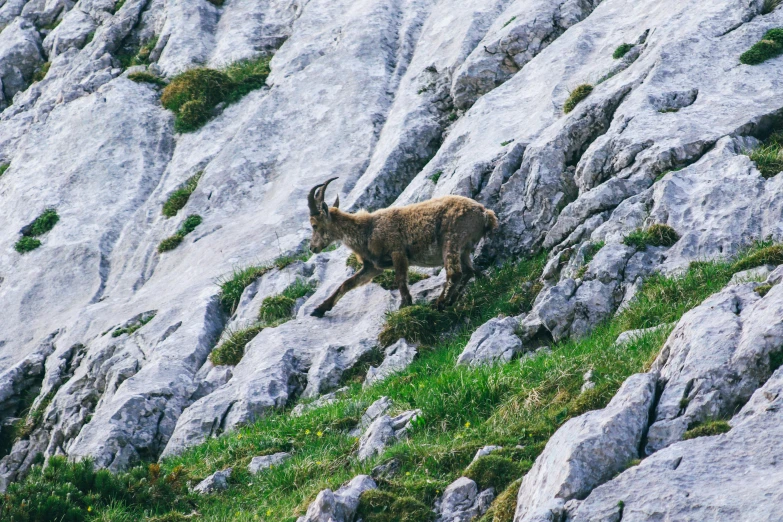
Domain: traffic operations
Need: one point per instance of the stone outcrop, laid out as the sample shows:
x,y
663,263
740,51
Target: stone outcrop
x,y
462,501
340,505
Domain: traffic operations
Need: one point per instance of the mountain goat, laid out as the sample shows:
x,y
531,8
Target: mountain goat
x,y
441,231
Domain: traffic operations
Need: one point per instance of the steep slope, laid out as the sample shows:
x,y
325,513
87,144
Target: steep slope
x,y
403,100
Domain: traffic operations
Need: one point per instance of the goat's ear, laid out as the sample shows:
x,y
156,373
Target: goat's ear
x,y
337,202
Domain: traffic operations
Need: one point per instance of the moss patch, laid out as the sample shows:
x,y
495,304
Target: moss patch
x,y
576,96
504,506
621,50
495,471
770,46
763,290
655,235
194,94
42,224
27,244
707,429
188,226
387,278
145,77
41,72
134,325
3,168
382,506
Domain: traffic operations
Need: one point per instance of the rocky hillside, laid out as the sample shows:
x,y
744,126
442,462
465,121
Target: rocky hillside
x,y
156,284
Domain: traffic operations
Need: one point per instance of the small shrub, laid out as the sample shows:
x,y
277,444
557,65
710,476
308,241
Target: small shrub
x,y
655,235
622,50
707,429
145,77
771,255
194,94
494,471
381,506
763,290
170,243
231,288
281,306
179,198
3,168
436,176
417,324
576,96
40,72
232,349
43,223
190,224
770,46
26,244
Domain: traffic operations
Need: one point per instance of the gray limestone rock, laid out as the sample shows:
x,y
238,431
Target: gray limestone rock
x,y
398,357
462,502
218,481
267,461
340,505
383,432
495,341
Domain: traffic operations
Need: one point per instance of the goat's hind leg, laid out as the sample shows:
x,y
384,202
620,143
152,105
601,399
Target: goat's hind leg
x,y
360,278
453,278
401,278
468,272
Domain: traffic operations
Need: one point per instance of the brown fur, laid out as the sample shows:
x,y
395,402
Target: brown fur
x,y
439,232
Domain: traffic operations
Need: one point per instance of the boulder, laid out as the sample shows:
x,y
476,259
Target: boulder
x,y
398,357
383,432
340,505
462,502
495,341
218,481
267,461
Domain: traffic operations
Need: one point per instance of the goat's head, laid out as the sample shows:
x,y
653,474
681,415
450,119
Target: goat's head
x,y
320,219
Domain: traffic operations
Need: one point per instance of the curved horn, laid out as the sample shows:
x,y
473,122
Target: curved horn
x,y
322,193
311,201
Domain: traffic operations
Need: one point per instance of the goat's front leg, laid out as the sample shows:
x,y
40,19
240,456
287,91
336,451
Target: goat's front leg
x,y
360,278
400,262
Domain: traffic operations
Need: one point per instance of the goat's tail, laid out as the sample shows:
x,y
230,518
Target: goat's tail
x,y
490,221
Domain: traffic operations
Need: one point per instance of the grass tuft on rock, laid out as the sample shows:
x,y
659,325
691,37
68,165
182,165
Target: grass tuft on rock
x,y
40,226
576,96
41,72
763,290
769,6
656,235
3,168
145,77
767,255
707,429
387,278
194,94
179,198
495,471
769,156
230,352
504,506
622,50
188,226
134,325
770,46
27,244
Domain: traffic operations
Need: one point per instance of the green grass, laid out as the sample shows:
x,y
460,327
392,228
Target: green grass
x,y
517,406
576,96
135,325
40,72
622,50
769,6
707,429
3,168
770,46
387,278
233,348
194,94
188,226
764,254
655,235
281,306
510,20
118,6
769,156
496,471
436,176
42,224
763,290
145,77
139,55
26,244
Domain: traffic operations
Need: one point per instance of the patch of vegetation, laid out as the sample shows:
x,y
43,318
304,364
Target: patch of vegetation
x,y
655,235
622,50
436,176
495,471
769,156
40,72
504,506
707,429
382,506
74,491
134,325
145,77
281,306
576,96
3,168
764,254
770,46
464,408
50,26
504,143
188,226
179,198
194,94
42,224
509,21
140,55
387,278
669,109
27,244
216,3
118,6
510,290
233,348
769,6
763,290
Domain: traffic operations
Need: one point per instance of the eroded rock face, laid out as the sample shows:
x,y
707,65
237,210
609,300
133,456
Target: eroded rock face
x,y
587,451
385,431
398,357
340,505
462,502
495,341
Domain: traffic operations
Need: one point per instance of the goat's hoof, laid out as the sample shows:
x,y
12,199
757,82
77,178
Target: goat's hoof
x,y
318,312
